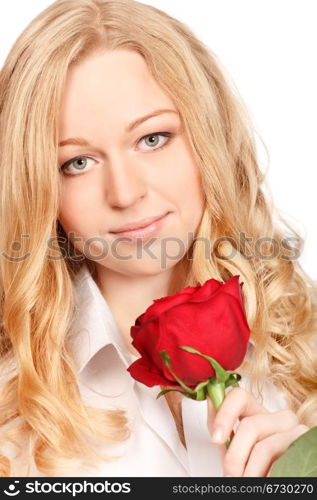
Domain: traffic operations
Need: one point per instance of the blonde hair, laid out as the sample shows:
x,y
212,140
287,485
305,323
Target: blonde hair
x,y
39,396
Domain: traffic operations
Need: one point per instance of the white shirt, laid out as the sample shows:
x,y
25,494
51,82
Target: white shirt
x,y
154,448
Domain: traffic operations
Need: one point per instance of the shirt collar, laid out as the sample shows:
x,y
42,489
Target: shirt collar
x,y
93,326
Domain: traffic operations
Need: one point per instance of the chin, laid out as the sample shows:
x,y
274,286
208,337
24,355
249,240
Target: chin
x,y
149,267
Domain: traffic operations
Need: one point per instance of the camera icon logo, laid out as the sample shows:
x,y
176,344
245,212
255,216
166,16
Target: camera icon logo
x,y
13,492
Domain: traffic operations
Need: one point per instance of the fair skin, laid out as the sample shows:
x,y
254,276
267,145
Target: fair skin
x,y
126,175
260,438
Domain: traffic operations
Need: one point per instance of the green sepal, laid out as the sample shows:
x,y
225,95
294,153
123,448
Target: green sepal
x,y
228,377
168,390
233,380
191,395
221,374
168,364
201,391
166,358
214,386
187,394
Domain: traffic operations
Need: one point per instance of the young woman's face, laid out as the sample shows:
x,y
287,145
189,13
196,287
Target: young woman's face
x,y
127,166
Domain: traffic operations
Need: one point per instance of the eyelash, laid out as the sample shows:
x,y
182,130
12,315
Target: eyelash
x,y
168,135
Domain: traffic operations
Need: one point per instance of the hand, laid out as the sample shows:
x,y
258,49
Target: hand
x,y
260,438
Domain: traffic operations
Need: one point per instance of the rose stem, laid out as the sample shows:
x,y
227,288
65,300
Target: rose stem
x,y
216,392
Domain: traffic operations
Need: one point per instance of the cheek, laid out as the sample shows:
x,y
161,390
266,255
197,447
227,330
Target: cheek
x,y
190,196
75,209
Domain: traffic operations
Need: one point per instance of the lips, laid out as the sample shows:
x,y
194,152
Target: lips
x,y
138,225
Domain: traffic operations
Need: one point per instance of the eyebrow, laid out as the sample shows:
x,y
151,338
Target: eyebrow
x,y
78,141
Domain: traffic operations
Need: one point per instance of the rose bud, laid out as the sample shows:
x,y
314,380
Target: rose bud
x,y
209,318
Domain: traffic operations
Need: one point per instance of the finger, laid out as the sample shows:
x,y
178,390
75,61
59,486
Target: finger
x,y
267,451
237,403
250,431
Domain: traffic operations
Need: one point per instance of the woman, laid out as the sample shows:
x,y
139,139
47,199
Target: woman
x,y
112,114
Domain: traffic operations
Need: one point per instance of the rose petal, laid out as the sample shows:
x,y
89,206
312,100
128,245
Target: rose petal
x,y
140,371
162,304
146,342
226,341
205,292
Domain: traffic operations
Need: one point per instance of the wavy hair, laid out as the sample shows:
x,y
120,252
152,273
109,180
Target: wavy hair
x,y
41,409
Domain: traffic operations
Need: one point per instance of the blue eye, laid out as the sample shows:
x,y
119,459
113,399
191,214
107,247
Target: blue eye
x,y
82,163
153,140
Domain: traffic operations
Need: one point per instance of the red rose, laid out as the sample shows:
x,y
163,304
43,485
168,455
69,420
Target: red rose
x,y
209,318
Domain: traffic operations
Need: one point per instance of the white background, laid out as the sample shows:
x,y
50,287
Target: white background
x,y
269,48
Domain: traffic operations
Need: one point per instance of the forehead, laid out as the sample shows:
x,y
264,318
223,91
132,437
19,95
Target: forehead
x,y
114,84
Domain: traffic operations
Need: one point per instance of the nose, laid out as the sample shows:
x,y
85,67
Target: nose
x,y
124,182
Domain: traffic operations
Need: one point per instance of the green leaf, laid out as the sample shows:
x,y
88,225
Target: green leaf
x,y
300,458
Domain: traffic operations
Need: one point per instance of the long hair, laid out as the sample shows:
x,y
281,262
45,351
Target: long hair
x,y
39,397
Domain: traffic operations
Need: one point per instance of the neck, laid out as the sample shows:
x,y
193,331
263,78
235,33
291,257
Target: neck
x,y
129,296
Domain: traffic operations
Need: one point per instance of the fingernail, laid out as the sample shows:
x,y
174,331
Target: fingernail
x,y
217,435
